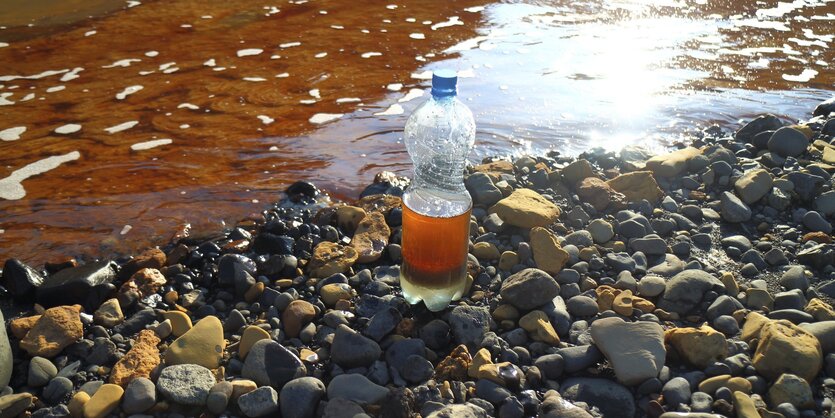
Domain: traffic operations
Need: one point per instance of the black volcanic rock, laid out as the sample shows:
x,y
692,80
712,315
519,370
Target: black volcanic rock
x,y
88,285
20,279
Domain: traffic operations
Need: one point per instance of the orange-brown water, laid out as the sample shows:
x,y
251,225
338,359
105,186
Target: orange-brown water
x,y
434,249
234,96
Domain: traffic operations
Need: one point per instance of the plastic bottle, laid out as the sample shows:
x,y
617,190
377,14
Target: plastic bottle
x,y
436,213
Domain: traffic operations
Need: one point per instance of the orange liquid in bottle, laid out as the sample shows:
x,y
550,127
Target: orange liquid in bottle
x,y
434,267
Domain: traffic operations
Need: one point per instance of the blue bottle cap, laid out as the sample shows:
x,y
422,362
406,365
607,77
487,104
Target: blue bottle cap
x,y
444,83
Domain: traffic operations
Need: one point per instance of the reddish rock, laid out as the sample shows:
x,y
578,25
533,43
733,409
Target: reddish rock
x,y
382,203
144,282
153,258
21,326
140,361
598,193
298,314
56,329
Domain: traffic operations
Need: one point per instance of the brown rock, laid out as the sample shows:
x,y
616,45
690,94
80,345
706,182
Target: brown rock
x,y
57,328
143,283
330,258
153,258
254,292
371,237
454,366
576,171
526,208
349,217
821,310
537,324
382,203
547,252
672,164
495,169
754,323
203,345
298,314
109,314
636,186
598,193
140,361
786,348
700,347
21,326
817,236
622,304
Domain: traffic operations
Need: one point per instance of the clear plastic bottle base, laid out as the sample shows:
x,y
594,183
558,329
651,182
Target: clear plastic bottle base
x,y
435,299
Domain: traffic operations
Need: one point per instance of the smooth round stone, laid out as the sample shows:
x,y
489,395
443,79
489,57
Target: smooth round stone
x,y
140,395
57,389
186,384
259,403
104,401
582,306
250,336
201,345
271,364
651,286
436,334
180,322
727,325
300,397
676,392
417,369
357,388
219,397
41,371
601,231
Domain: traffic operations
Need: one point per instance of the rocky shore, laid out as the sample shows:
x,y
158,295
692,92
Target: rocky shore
x,y
698,283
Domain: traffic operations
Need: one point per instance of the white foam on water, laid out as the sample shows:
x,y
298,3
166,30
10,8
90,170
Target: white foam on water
x,y
141,146
410,20
321,55
466,45
411,95
394,109
365,31
348,100
289,44
760,24
254,79
38,76
271,10
315,93
423,75
122,126
371,54
72,75
122,63
207,17
151,54
125,229
266,120
67,129
275,57
829,16
307,101
282,75
323,12
4,101
210,63
185,25
803,77
12,134
273,148
28,97
249,52
128,91
394,86
812,35
321,118
337,27
187,106
453,21
804,42
146,72
219,69
89,33
11,187
167,65
53,89
468,73
417,36
185,126
474,9
391,6
386,20
4,44
133,3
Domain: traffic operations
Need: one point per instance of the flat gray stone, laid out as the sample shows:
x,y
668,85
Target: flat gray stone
x,y
186,384
635,349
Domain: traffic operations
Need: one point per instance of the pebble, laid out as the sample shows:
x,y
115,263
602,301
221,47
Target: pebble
x,y
219,396
635,349
611,398
140,395
793,390
41,371
186,384
250,336
180,322
788,142
469,324
259,403
202,345
676,392
104,401
109,314
57,389
356,388
56,329
529,289
271,364
297,314
351,349
300,397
